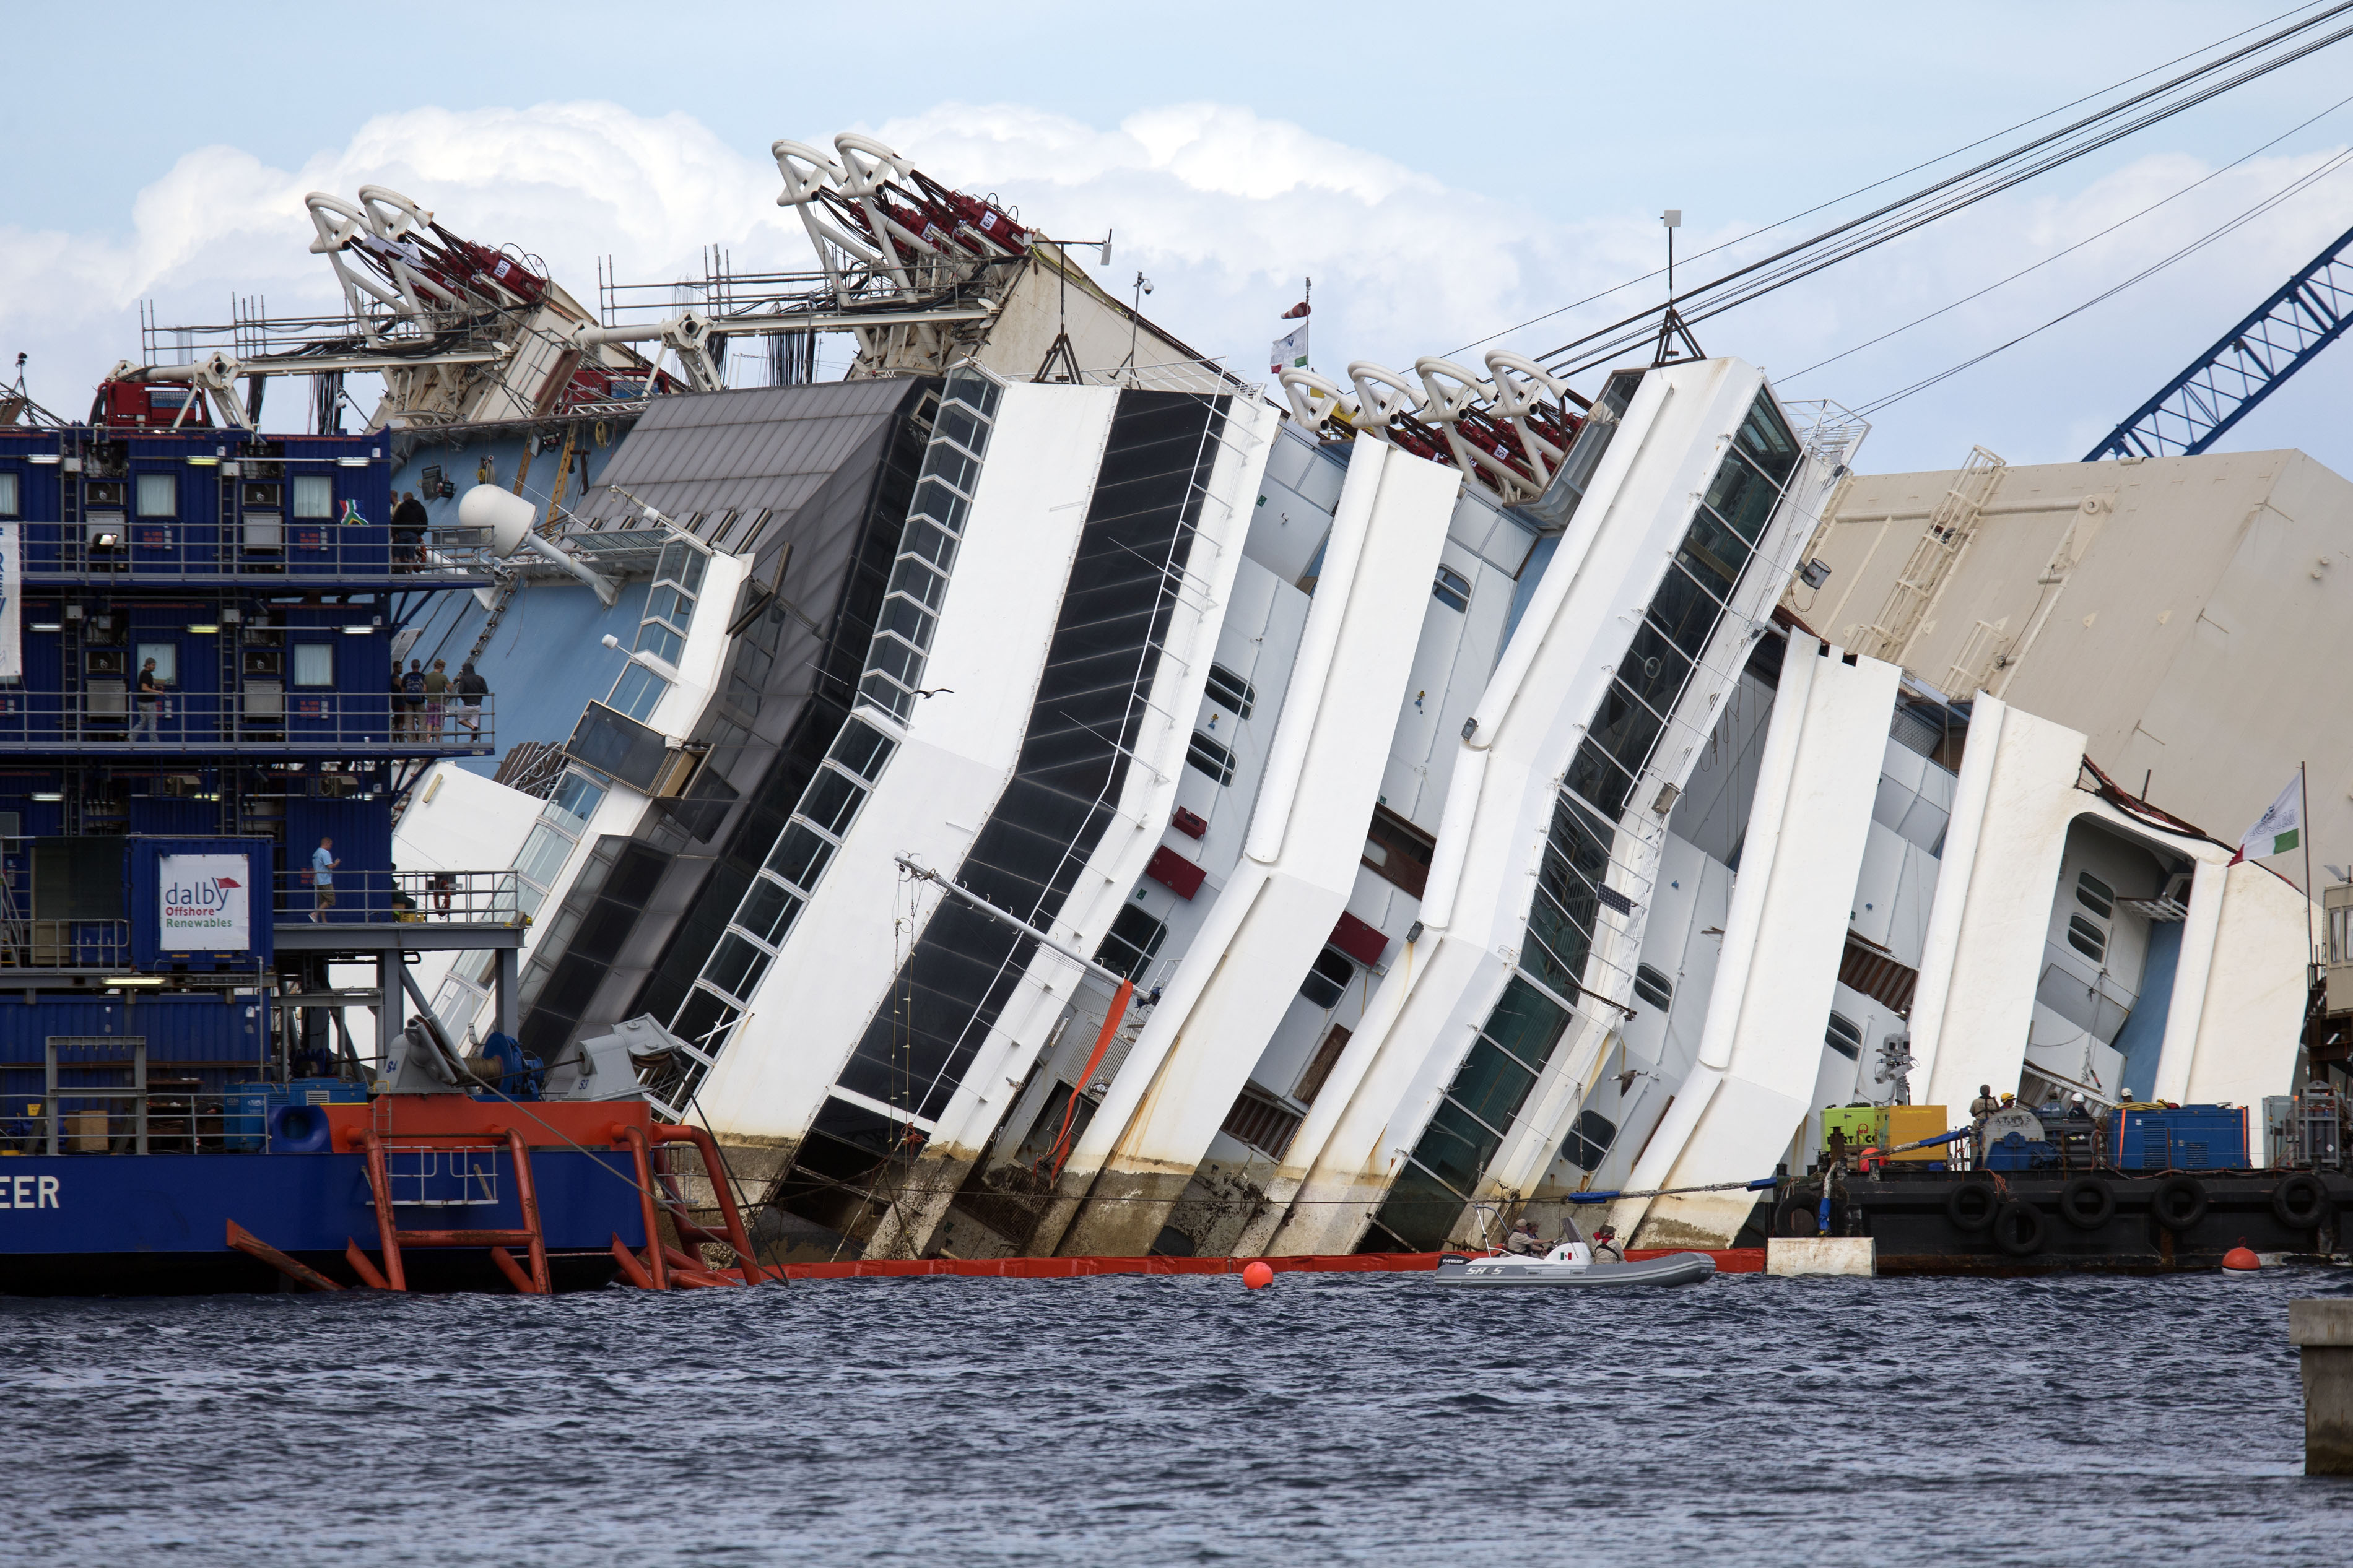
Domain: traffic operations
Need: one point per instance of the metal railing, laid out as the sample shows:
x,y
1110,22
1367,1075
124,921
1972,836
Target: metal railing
x,y
116,545
63,944
411,897
107,711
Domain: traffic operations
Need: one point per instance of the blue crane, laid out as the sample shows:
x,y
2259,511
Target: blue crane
x,y
2310,311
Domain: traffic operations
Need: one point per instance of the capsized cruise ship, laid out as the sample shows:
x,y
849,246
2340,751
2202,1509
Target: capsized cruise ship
x,y
1046,793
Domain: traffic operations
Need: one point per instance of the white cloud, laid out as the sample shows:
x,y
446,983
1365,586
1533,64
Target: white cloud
x,y
1226,210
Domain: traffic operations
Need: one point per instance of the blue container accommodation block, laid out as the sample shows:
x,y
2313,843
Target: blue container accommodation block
x,y
2180,1138
203,630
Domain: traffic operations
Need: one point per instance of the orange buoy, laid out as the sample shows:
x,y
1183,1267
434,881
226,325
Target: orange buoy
x,y
1258,1276
2240,1260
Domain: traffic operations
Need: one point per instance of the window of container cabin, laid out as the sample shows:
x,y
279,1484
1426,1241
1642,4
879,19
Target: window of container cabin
x,y
1397,851
1230,691
1328,978
2096,895
637,692
314,495
159,495
1589,1141
313,663
1129,946
11,494
1844,1037
1653,988
1211,758
166,655
2088,939
1451,589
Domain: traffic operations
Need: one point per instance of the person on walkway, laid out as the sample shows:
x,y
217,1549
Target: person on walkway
x,y
412,701
151,701
322,873
408,525
1604,1245
437,697
471,690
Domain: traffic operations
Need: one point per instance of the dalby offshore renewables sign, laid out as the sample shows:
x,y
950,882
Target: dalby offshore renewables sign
x,y
206,907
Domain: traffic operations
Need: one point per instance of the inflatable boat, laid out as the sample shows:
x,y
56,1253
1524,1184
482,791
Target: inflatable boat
x,y
1572,1265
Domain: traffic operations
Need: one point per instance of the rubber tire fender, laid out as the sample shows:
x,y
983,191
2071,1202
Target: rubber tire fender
x,y
2300,1202
2179,1202
2087,1202
1970,1207
2019,1228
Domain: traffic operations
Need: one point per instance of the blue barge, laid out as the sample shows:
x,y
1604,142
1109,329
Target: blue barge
x,y
203,750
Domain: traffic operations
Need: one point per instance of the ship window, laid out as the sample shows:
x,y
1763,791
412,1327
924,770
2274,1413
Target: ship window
x,y
544,855
1451,589
1589,1141
314,663
1230,691
1844,1038
1129,946
575,800
1653,986
1211,758
2088,939
613,742
159,495
638,690
1328,978
660,641
2096,895
314,495
9,498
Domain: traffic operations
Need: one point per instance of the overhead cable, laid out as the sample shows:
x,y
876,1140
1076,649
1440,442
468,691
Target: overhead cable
x,y
1885,179
1961,190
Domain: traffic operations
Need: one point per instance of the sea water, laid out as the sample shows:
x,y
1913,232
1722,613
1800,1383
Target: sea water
x,y
1349,1418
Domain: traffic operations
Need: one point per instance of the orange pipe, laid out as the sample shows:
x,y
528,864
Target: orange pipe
x,y
630,1266
362,1266
380,1185
635,1138
528,1195
723,1184
514,1271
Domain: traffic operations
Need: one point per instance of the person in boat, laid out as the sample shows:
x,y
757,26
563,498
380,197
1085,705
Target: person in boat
x,y
1523,1241
1605,1244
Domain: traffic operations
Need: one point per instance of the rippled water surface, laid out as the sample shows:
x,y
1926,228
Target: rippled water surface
x,y
1335,1418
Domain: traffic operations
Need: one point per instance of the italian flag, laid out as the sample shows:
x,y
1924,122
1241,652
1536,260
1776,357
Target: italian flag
x,y
2278,830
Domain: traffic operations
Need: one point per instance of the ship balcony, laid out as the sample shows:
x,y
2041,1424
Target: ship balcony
x,y
104,718
113,551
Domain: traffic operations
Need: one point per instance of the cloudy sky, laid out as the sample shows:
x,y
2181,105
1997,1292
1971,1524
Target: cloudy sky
x,y
1440,184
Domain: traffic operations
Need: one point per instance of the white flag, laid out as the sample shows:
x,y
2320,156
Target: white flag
x,y
2278,830
1290,351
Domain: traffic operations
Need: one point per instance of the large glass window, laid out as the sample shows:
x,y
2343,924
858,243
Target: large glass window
x,y
159,495
314,663
11,495
314,495
637,691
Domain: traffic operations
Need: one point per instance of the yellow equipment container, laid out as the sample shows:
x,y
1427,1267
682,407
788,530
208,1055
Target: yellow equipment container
x,y
1859,1122
1906,1123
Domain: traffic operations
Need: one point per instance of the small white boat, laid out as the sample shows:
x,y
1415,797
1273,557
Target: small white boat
x,y
1571,1263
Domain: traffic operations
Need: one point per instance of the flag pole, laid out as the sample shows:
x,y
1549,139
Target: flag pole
x,y
2304,832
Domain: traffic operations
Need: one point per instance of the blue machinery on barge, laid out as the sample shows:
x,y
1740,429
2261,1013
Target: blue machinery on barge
x,y
198,631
